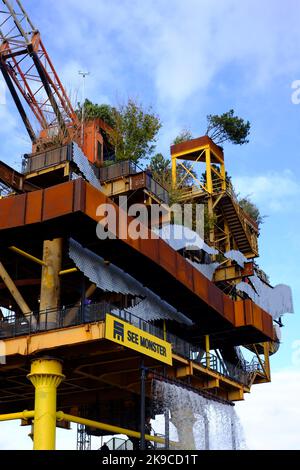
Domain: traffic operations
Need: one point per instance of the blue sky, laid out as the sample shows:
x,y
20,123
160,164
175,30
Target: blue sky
x,y
189,58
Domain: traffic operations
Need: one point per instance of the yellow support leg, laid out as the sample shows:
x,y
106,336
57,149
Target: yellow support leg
x,y
45,375
209,181
174,172
207,350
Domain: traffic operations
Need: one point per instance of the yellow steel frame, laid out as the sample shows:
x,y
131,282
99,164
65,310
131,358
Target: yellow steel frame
x,y
207,350
27,255
264,365
43,439
39,261
68,271
65,166
204,150
23,415
107,427
46,375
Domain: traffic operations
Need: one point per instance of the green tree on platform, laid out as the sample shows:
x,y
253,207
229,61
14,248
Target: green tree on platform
x,y
228,128
133,131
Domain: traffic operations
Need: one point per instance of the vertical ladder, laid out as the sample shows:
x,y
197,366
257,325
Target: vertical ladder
x,y
84,439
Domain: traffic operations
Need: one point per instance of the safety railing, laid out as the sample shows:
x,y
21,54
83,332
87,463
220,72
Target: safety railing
x,y
35,162
129,168
49,320
155,188
117,443
116,170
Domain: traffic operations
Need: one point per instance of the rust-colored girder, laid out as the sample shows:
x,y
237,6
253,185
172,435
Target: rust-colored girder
x,y
79,197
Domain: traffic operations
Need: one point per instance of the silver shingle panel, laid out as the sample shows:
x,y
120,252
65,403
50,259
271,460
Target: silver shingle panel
x,y
236,256
207,270
110,278
276,300
179,237
84,166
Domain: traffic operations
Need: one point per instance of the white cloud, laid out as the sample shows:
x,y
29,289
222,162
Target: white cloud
x,y
296,353
183,45
270,415
273,191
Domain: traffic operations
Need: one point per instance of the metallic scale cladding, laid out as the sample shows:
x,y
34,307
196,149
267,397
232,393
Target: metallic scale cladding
x,y
208,270
236,256
84,166
274,300
110,278
179,237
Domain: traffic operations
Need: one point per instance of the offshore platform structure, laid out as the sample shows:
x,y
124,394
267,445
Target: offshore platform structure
x,y
85,323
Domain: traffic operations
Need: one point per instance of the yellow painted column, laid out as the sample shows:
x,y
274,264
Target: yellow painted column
x,y
209,184
50,285
267,359
227,233
223,173
45,375
207,350
174,172
210,212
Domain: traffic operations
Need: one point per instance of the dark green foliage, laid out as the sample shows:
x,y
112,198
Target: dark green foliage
x,y
161,170
251,209
184,136
134,130
228,128
94,111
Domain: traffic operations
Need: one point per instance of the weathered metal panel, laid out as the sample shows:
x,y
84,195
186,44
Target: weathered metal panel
x,y
150,248
12,211
200,285
267,322
34,207
248,312
215,298
228,308
257,316
93,199
239,313
138,181
184,272
58,200
79,195
167,257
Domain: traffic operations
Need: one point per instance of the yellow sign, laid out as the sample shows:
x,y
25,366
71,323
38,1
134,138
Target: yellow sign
x,y
130,336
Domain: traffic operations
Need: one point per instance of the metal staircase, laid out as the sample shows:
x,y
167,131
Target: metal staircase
x,y
237,225
118,443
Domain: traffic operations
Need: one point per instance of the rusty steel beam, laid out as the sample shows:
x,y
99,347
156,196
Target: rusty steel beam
x,y
11,286
22,283
15,180
44,206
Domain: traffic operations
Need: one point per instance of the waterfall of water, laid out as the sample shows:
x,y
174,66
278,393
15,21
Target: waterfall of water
x,y
201,423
